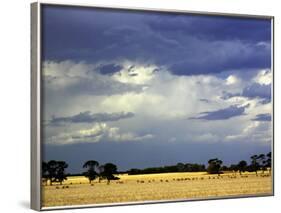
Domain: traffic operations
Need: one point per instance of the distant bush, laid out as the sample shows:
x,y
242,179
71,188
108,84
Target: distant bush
x,y
180,167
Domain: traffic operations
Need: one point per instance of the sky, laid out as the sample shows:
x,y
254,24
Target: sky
x,y
142,89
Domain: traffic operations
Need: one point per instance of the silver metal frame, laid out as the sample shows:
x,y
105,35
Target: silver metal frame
x,y
36,105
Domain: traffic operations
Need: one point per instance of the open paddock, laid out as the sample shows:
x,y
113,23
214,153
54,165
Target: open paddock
x,y
149,187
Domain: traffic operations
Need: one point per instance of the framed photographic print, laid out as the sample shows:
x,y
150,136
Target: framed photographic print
x,y
137,105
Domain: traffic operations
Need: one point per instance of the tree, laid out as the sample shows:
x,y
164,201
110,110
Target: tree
x,y
242,166
234,168
108,172
91,173
214,166
224,168
180,167
262,162
44,169
193,167
101,169
134,171
60,174
52,168
56,171
255,166
268,161
45,174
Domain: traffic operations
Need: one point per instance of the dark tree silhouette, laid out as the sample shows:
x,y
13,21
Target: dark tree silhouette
x,y
214,166
91,173
60,175
194,167
52,170
262,162
242,166
234,167
180,167
44,169
108,171
224,168
268,161
255,166
56,171
45,174
101,169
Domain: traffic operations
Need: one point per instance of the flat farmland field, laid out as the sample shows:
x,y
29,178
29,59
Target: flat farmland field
x,y
152,187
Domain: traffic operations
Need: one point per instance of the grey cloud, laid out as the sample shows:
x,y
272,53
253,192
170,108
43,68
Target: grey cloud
x,y
255,90
97,85
228,95
258,91
263,117
223,28
265,101
222,114
110,68
140,155
204,100
141,36
88,117
91,136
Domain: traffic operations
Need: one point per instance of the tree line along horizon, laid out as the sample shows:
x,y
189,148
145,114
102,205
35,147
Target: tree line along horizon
x,y
54,171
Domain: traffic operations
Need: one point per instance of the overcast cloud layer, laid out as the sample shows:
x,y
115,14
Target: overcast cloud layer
x,y
151,89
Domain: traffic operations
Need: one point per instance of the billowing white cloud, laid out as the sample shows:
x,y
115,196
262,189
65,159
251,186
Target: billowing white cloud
x,y
160,101
232,79
264,77
68,77
98,132
255,132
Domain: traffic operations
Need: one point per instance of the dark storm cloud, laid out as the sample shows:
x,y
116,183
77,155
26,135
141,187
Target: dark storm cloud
x,y
228,95
262,117
222,114
88,117
138,155
217,57
255,90
214,27
183,44
109,68
187,44
258,91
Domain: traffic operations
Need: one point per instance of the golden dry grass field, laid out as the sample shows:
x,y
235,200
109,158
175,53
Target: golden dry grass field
x,y
166,186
